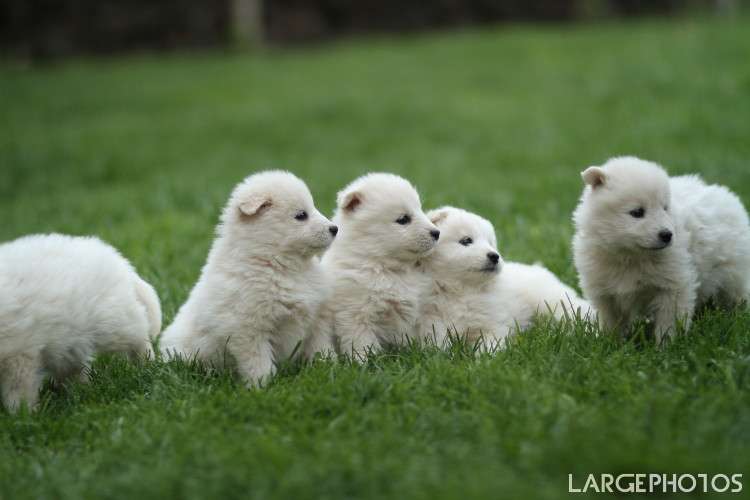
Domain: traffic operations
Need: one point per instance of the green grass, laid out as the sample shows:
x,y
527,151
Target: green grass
x,y
144,150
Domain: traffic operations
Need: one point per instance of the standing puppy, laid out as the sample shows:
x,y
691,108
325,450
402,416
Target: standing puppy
x,y
377,287
474,294
654,247
65,299
262,284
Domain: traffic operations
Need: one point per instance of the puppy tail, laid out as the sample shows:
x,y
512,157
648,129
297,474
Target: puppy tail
x,y
150,300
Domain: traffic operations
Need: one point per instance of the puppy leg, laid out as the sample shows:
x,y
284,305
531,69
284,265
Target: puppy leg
x,y
254,357
359,342
134,334
669,309
22,376
141,350
289,341
79,372
318,343
610,318
320,340
84,376
735,289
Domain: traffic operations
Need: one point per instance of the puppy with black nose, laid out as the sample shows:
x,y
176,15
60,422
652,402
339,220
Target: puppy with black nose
x,y
654,247
474,294
261,288
377,288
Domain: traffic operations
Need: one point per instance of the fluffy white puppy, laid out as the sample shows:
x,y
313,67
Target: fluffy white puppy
x,y
64,300
653,247
475,294
261,286
377,287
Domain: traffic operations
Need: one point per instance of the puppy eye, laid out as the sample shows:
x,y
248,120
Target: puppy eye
x,y
466,241
666,208
403,220
301,215
638,213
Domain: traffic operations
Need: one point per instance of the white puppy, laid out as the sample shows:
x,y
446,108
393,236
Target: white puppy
x,y
653,247
377,287
65,299
262,285
474,294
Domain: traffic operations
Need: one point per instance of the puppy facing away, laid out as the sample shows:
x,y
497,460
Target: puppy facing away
x,y
654,247
376,287
262,284
64,300
475,294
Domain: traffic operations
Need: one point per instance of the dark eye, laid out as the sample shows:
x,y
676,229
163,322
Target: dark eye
x,y
666,208
301,215
466,241
638,213
403,220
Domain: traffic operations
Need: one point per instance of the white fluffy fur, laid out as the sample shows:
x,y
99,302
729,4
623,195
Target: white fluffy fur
x,y
64,300
628,272
262,284
531,289
377,287
472,297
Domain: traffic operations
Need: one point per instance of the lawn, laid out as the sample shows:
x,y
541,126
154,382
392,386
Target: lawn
x,y
143,151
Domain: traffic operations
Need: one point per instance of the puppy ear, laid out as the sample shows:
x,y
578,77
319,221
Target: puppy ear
x,y
350,201
437,216
595,177
255,205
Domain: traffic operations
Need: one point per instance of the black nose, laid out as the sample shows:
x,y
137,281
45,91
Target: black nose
x,y
435,234
333,230
494,257
665,236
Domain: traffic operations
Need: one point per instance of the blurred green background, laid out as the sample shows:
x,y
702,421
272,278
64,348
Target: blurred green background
x,y
143,151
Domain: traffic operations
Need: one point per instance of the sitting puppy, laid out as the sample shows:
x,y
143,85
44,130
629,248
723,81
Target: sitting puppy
x,y
376,289
64,300
654,247
261,286
474,294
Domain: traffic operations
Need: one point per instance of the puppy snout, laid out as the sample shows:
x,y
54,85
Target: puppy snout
x,y
435,234
665,236
334,230
493,257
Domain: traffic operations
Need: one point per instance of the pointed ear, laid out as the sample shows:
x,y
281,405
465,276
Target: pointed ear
x,y
595,177
255,205
349,202
437,216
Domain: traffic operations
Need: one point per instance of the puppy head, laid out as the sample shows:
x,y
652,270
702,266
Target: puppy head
x,y
381,216
467,251
274,212
626,205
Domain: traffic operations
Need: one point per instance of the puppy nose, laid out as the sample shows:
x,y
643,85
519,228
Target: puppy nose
x,y
494,257
665,236
333,230
435,234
